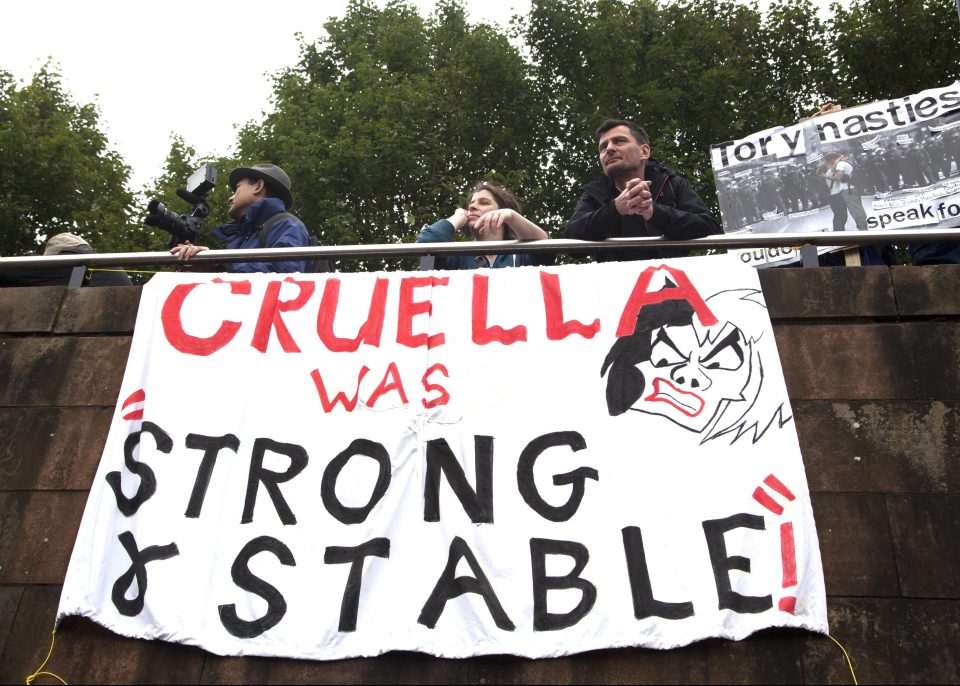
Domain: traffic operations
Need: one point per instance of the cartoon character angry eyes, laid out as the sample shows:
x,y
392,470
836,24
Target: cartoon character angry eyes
x,y
705,379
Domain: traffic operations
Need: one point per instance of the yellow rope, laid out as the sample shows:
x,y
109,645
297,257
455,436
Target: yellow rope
x,y
846,657
53,637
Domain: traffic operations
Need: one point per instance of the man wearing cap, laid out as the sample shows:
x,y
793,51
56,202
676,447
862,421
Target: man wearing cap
x,y
259,193
65,244
637,196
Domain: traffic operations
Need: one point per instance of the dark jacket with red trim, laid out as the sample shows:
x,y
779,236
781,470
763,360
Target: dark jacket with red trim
x,y
678,214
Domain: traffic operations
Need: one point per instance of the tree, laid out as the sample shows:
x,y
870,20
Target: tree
x,y
796,48
589,61
891,48
384,123
57,172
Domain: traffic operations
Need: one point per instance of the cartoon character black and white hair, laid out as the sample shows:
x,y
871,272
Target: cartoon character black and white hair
x,y
707,379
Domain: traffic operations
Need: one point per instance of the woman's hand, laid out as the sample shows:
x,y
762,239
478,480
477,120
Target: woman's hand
x,y
458,219
490,226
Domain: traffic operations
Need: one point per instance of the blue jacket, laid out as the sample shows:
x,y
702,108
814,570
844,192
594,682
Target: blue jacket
x,y
286,233
442,232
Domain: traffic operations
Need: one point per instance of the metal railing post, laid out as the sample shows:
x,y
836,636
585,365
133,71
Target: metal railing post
x,y
76,276
808,256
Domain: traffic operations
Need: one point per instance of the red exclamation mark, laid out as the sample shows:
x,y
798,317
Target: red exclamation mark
x,y
788,556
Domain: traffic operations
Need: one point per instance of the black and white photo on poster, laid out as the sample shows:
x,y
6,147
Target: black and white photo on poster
x,y
900,164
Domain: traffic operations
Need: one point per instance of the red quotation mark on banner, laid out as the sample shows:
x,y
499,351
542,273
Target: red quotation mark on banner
x,y
788,554
135,402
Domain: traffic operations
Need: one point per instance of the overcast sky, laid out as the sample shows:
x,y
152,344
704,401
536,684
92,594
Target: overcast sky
x,y
156,69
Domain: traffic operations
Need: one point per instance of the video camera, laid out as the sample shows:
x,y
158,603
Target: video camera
x,y
185,227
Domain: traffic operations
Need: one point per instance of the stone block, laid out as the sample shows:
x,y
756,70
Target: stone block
x,y
266,670
880,447
855,544
62,371
766,657
926,537
928,290
29,310
623,666
109,309
827,293
51,448
9,601
919,360
685,665
772,656
85,653
37,533
889,640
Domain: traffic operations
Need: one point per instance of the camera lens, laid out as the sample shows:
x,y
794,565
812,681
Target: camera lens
x,y
162,218
179,228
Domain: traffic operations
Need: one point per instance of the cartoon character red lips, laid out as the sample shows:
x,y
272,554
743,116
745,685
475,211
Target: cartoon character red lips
x,y
688,403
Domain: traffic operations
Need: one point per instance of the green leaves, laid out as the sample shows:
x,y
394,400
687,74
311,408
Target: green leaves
x,y
386,122
57,172
891,48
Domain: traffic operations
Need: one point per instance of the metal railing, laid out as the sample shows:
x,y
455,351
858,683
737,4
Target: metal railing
x,y
807,242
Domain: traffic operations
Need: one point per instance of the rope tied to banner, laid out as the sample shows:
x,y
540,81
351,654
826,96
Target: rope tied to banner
x,y
845,657
40,672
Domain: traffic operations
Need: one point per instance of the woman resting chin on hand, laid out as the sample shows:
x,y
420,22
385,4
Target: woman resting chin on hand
x,y
492,214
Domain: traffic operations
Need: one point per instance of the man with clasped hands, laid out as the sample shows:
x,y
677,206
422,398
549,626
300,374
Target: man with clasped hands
x,y
637,196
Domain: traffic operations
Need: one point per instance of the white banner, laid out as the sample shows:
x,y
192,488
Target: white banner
x,y
526,461
901,159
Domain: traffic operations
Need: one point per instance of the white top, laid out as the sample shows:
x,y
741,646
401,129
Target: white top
x,y
836,186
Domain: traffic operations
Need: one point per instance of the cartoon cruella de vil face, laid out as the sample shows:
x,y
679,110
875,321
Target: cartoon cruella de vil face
x,y
707,379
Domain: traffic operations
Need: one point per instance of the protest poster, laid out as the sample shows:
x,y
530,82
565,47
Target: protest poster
x,y
527,461
901,164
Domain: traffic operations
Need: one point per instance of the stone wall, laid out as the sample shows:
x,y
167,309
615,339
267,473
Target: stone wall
x,y
872,364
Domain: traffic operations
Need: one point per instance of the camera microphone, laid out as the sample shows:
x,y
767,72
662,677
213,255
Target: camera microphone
x,y
191,198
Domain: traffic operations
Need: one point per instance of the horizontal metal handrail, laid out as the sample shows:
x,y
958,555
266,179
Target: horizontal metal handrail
x,y
559,245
